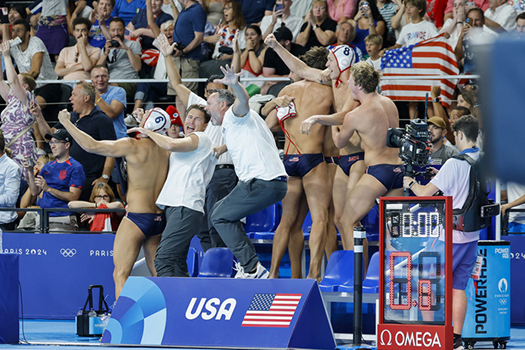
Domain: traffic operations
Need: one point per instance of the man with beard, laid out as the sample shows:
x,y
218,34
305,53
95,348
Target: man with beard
x,y
122,56
440,151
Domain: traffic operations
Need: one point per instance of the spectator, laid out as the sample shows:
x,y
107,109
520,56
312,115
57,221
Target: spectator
x,y
102,197
123,60
367,21
148,93
10,174
188,31
16,119
273,65
341,10
214,10
454,25
94,123
176,129
387,9
223,39
75,62
374,43
31,57
139,27
52,26
520,23
515,200
500,16
345,34
318,28
60,181
250,62
271,23
254,11
109,99
481,4
78,9
439,152
472,33
127,9
16,12
100,18
400,19
457,112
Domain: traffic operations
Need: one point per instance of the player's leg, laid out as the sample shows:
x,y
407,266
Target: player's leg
x,y
150,248
296,241
291,202
317,189
331,233
338,198
126,247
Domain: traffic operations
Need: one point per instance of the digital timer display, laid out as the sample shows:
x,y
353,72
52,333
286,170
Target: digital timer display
x,y
414,261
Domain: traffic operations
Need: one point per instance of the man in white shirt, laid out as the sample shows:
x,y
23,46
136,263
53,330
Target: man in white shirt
x,y
453,179
10,175
261,173
500,16
191,167
281,16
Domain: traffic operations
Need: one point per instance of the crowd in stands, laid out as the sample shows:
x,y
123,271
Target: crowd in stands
x,y
76,41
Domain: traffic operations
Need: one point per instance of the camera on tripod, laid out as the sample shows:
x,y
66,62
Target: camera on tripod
x,y
413,143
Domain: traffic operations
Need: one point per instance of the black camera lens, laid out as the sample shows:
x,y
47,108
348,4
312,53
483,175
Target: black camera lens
x,y
114,43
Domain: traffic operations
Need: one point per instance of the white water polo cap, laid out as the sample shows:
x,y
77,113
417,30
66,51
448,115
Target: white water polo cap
x,y
344,57
157,120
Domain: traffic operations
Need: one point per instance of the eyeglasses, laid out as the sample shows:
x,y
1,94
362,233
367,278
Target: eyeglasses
x,y
102,197
56,142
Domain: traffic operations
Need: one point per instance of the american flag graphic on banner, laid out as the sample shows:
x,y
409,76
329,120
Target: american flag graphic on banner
x,y
433,56
271,310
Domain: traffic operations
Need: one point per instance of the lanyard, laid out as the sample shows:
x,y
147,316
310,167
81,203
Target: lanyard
x,y
470,150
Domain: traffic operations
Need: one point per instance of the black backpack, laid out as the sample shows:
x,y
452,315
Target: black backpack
x,y
470,217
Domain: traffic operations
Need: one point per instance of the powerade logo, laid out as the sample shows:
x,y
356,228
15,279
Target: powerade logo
x,y
505,252
404,339
481,296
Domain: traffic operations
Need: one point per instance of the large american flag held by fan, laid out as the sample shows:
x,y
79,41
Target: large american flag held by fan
x,y
431,57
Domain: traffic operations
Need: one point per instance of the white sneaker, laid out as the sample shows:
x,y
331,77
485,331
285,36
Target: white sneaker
x,y
260,272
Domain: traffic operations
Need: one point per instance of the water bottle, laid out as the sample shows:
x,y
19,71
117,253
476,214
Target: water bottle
x,y
92,313
80,312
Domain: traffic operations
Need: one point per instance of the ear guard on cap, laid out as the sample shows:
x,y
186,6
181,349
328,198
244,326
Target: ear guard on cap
x,y
157,120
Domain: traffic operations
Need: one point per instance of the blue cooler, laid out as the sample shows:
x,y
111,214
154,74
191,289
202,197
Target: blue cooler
x,y
488,311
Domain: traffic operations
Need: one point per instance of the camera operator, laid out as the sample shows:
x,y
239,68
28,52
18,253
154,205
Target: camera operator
x,y
122,56
453,180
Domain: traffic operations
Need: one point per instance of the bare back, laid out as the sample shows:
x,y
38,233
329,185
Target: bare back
x,y
371,121
310,99
343,101
147,166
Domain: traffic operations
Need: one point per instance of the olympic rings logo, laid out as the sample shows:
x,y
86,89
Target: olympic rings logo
x,y
68,253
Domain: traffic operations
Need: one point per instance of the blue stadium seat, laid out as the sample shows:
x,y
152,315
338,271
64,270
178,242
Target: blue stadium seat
x,y
348,286
262,225
371,282
217,262
339,271
371,224
193,262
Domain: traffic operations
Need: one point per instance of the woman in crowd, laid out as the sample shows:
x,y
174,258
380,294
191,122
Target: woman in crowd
x,y
102,197
17,120
139,27
214,9
367,21
400,19
223,39
318,28
341,10
251,59
52,25
16,12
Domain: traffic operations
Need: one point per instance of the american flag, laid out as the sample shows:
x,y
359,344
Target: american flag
x,y
271,310
433,56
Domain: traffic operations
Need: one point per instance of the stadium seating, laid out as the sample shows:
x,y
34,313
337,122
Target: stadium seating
x,y
217,262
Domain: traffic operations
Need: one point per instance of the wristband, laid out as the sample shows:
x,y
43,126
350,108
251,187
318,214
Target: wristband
x,y
96,103
436,100
411,184
315,26
251,50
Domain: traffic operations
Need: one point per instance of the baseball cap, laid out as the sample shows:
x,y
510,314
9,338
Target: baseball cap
x,y
437,121
283,33
59,134
174,116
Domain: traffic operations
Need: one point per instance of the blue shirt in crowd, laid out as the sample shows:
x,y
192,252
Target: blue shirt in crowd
x,y
119,94
141,21
190,20
127,10
253,10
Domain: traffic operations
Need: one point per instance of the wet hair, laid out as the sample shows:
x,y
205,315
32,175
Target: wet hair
x,y
211,79
421,5
374,39
117,19
82,20
29,80
316,57
24,23
88,89
102,186
201,108
226,96
469,125
365,75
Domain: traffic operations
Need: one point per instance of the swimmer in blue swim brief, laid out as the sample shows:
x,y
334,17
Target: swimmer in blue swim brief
x,y
149,223
391,176
300,165
346,161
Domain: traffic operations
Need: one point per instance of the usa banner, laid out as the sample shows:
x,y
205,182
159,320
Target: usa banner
x,y
431,57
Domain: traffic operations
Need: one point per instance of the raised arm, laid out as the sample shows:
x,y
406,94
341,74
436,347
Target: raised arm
x,y
151,20
295,64
173,73
186,144
119,148
241,106
12,77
